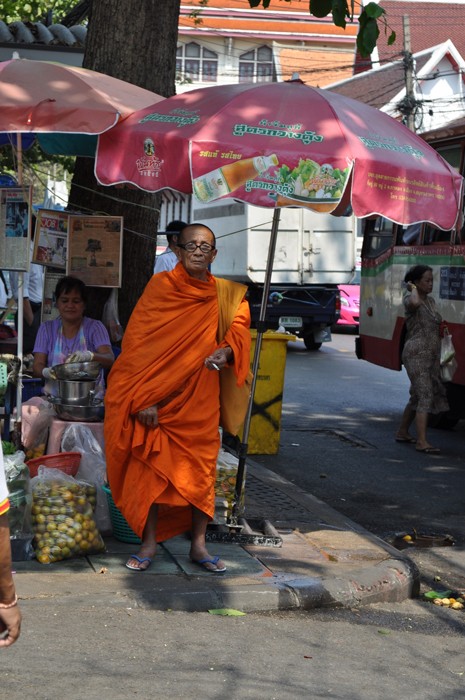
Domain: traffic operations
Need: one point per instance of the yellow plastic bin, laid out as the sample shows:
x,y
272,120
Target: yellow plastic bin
x,y
265,426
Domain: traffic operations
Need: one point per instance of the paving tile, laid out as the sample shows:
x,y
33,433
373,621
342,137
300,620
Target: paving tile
x,y
346,546
162,563
236,566
77,564
178,545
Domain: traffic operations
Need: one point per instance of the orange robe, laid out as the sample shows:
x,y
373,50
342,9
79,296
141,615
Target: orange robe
x,y
172,329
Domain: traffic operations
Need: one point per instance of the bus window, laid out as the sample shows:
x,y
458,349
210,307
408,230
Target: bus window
x,y
408,235
433,235
378,236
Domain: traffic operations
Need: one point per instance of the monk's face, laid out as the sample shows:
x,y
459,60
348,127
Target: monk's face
x,y
196,262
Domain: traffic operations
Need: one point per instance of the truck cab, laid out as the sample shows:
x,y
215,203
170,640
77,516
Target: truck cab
x,y
314,253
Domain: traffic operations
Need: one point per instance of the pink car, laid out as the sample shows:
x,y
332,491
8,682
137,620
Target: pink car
x,y
350,305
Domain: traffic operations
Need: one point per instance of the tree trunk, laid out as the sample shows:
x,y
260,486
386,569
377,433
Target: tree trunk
x,y
133,41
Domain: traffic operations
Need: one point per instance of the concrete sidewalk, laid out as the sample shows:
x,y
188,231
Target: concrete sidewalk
x,y
325,560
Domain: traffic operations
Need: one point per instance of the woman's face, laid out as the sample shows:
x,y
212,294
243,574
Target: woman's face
x,y
70,305
425,283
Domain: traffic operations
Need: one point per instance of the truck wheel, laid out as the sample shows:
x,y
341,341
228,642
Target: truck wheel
x,y
310,343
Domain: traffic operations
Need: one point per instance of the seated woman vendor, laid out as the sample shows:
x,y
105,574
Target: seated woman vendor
x,y
72,337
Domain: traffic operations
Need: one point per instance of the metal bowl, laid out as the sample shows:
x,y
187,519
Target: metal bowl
x,y
77,370
74,412
70,391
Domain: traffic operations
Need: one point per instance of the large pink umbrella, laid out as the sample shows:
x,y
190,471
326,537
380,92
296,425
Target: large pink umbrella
x,y
283,144
66,106
278,145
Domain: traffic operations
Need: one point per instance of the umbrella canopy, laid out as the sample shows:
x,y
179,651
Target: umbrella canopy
x,y
65,106
283,144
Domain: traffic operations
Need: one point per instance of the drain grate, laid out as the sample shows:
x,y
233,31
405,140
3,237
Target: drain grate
x,y
267,497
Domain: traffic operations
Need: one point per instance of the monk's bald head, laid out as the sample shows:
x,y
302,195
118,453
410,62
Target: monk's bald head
x,y
191,230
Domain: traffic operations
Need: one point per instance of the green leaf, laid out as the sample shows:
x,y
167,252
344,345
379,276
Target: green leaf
x,y
392,38
321,8
434,594
383,631
374,11
340,13
367,35
226,611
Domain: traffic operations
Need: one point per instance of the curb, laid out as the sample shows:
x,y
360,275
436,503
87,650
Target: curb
x,y
391,581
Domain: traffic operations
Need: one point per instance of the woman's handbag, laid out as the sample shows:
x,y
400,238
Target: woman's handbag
x,y
447,358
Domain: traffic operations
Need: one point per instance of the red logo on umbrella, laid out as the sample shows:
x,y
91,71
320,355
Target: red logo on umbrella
x,y
149,165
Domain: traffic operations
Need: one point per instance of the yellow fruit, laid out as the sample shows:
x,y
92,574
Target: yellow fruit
x,y
407,538
445,601
437,601
44,558
457,605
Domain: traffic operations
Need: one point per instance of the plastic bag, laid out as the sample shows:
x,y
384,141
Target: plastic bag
x,y
35,441
18,482
92,468
226,475
447,348
447,358
110,317
62,517
448,370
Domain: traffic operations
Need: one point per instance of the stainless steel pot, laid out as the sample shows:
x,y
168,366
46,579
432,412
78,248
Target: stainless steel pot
x,y
71,392
77,370
74,412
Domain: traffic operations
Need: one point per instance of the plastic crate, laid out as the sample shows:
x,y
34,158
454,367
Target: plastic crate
x,y
67,462
121,529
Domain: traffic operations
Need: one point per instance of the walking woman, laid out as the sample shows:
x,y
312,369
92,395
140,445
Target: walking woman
x,y
421,356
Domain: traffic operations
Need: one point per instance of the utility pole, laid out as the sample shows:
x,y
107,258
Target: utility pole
x,y
409,103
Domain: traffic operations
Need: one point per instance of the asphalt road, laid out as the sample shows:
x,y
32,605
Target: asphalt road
x,y
412,651
340,416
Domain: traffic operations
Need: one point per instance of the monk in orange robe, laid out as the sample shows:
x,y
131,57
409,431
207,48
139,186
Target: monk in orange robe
x,y
162,405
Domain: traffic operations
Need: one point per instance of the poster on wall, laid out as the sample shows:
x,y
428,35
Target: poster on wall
x,y
95,249
15,227
51,239
49,309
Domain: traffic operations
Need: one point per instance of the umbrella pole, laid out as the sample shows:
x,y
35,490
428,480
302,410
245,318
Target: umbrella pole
x,y
19,351
238,493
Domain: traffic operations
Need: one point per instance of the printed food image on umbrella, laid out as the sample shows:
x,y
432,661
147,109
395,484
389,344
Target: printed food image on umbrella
x,y
282,145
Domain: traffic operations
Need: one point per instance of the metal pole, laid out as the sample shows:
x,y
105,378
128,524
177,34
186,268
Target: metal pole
x,y
19,350
255,363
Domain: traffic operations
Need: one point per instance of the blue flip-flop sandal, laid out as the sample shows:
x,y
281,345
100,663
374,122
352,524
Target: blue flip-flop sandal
x,y
207,560
141,560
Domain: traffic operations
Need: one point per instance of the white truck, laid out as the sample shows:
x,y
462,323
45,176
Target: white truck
x,y
314,253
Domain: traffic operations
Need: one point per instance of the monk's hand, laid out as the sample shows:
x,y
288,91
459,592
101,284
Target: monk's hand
x,y
219,358
148,416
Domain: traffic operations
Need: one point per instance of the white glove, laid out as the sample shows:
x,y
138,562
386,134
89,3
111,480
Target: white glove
x,y
80,356
48,373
